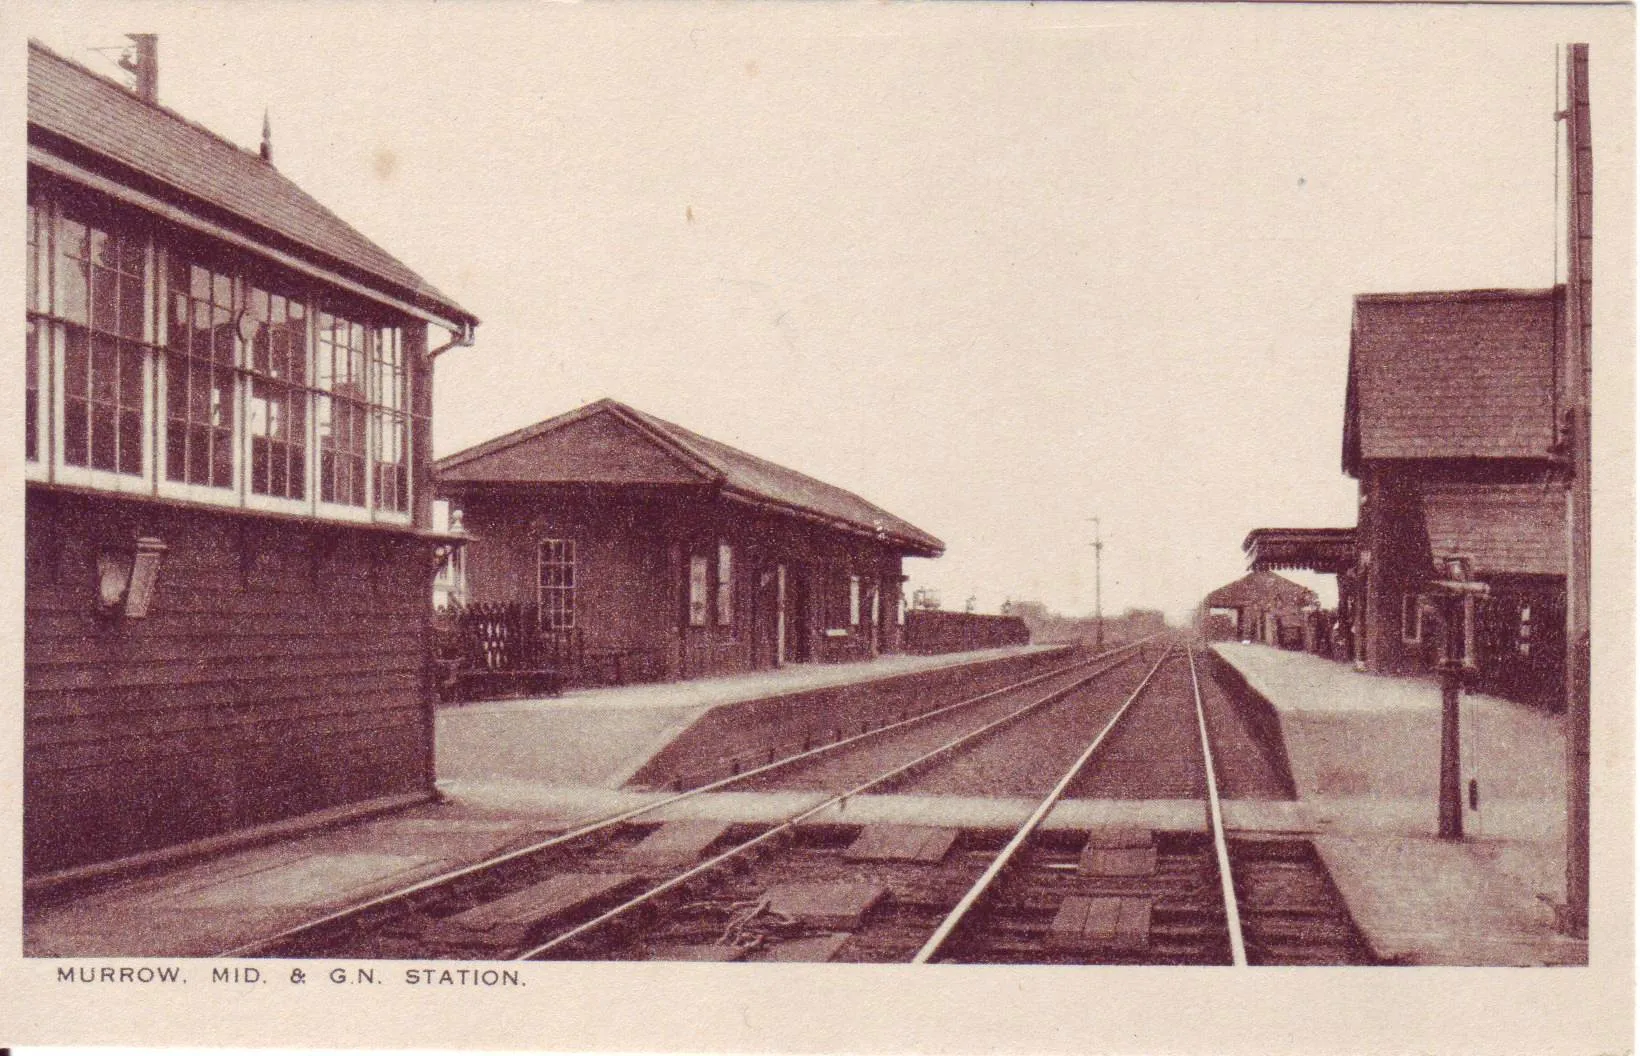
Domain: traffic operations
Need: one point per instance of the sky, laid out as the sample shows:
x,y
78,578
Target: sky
x,y
1000,270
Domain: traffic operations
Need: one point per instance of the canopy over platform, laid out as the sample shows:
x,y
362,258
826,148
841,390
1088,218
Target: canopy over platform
x,y
1328,550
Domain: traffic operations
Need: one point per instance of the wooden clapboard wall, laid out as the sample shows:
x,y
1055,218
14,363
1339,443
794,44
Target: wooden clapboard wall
x,y
281,670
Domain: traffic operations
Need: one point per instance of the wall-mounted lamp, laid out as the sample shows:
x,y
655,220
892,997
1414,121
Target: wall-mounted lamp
x,y
126,578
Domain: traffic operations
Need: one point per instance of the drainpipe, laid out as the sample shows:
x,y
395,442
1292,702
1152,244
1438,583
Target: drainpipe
x,y
460,339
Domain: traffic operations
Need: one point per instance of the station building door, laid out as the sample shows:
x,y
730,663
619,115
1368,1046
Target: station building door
x,y
794,623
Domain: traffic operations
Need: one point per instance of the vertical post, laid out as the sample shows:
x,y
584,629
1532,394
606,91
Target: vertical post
x,y
1574,916
1451,809
1098,598
146,66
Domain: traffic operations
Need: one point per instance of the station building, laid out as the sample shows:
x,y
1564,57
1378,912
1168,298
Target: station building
x,y
1265,608
664,554
1453,427
227,461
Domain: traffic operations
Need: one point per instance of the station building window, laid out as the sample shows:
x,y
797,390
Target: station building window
x,y
555,583
697,590
136,334
725,585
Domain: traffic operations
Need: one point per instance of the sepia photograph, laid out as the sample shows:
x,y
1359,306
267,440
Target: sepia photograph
x,y
560,510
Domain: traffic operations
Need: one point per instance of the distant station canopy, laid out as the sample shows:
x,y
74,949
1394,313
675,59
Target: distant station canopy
x,y
1327,550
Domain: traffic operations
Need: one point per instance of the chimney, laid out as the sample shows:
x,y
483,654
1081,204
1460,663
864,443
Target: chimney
x,y
145,64
267,138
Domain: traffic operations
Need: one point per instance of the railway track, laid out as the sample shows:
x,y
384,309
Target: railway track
x,y
377,923
809,887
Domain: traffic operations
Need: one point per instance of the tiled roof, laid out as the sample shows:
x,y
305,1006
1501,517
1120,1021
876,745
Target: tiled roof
x,y
94,113
1466,374
1501,528
582,454
1265,590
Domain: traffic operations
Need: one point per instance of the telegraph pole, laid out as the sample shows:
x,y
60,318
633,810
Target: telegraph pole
x,y
1098,599
1574,915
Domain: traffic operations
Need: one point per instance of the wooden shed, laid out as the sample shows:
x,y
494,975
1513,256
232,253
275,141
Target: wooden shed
x,y
665,554
227,454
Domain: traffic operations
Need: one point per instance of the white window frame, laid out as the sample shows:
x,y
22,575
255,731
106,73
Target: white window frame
x,y
854,601
56,344
1417,603
51,354
567,558
725,585
697,590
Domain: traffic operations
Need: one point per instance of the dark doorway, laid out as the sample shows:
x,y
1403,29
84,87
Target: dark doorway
x,y
797,614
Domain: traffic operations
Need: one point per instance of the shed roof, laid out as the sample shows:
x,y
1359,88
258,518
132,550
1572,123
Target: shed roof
x,y
1459,374
1502,528
609,442
197,168
1264,590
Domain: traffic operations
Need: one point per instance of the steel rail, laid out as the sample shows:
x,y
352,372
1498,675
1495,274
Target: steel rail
x,y
792,822
252,948
1221,847
1000,862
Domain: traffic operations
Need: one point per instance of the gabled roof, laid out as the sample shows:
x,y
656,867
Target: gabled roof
x,y
200,170
1501,528
610,443
1264,590
1453,375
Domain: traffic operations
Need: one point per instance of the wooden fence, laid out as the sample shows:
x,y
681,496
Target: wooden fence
x,y
935,631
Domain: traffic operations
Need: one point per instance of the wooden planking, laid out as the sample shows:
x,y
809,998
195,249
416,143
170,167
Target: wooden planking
x,y
702,952
275,621
826,904
366,690
254,643
180,676
129,746
901,843
508,921
1096,924
282,669
674,845
810,949
156,729
1116,837
1118,861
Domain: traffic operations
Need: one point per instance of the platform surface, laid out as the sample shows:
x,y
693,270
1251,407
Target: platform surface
x,y
1365,754
602,736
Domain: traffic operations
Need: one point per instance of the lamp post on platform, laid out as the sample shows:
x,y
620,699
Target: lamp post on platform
x,y
1456,596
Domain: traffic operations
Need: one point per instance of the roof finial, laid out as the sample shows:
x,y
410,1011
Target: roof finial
x,y
267,137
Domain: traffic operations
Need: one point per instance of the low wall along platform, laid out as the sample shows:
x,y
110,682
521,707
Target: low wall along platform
x,y
740,735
